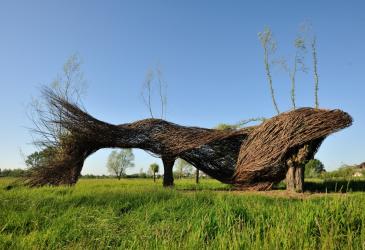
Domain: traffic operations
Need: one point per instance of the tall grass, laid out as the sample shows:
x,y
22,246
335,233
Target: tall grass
x,y
138,214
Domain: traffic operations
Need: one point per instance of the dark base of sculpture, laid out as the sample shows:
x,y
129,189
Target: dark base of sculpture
x,y
168,176
295,179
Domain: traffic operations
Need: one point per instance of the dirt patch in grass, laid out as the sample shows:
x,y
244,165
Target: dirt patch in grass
x,y
273,193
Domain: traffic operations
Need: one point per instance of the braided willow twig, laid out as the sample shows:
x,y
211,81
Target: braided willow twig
x,y
252,157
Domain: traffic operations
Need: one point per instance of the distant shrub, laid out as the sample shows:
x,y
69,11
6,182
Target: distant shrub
x,y
345,171
314,168
18,172
91,176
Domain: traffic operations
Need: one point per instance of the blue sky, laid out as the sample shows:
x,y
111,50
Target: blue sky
x,y
209,54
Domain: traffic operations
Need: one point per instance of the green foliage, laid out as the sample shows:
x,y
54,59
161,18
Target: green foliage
x,y
314,168
154,167
119,161
225,126
240,124
39,158
17,172
344,171
34,159
183,168
135,214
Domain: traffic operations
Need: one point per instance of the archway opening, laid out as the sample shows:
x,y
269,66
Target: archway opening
x,y
96,164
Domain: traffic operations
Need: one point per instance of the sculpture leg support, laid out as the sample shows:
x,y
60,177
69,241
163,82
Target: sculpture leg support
x,y
299,179
197,176
295,179
295,174
290,180
168,177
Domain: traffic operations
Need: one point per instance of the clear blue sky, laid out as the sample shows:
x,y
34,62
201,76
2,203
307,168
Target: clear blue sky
x,y
209,53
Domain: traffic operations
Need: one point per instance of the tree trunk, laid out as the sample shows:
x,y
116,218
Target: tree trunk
x,y
299,179
295,179
154,176
168,178
290,180
197,176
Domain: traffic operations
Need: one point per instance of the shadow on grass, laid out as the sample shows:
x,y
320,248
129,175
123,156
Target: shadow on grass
x,y
335,185
330,185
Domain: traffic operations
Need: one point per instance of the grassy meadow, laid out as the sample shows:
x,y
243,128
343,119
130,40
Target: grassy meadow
x,y
140,214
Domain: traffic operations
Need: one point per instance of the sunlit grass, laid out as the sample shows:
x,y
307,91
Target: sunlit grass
x,y
140,214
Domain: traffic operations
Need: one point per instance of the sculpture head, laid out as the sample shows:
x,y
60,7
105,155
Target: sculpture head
x,y
264,154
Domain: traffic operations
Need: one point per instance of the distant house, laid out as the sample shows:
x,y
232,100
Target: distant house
x,y
357,174
362,165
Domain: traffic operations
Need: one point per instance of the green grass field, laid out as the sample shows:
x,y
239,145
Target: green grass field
x,y
140,214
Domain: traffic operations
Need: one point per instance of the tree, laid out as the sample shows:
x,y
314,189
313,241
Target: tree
x,y
197,176
154,167
298,65
118,162
296,165
147,91
142,174
147,94
307,28
40,158
269,45
313,168
225,126
35,159
17,172
315,70
69,85
183,168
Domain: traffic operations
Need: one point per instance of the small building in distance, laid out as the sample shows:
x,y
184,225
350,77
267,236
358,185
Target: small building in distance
x,y
361,166
357,174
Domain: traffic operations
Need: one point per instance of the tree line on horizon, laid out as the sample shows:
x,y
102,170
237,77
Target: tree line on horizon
x,y
117,163
313,169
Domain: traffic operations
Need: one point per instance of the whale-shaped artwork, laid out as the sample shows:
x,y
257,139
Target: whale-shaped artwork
x,y
253,157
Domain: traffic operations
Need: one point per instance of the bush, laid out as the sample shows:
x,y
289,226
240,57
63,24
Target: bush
x,y
18,172
314,168
343,172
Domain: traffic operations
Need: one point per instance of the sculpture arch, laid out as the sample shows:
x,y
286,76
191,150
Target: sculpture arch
x,y
253,157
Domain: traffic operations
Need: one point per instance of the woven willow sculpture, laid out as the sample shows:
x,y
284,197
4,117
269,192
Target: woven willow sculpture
x,y
253,157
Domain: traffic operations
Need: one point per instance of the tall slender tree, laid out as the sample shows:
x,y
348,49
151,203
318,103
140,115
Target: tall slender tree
x,y
154,79
297,65
315,70
269,45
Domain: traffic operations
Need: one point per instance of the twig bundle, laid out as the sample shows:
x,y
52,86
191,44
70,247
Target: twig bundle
x,y
253,157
